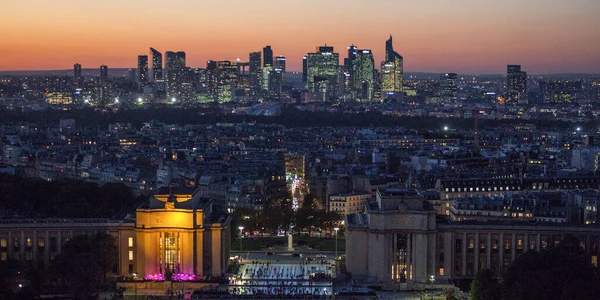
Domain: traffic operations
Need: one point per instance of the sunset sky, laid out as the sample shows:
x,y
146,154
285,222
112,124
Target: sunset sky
x,y
464,36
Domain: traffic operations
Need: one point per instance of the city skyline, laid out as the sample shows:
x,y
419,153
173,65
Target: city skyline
x,y
544,36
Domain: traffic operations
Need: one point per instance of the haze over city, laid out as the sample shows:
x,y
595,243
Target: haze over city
x,y
466,36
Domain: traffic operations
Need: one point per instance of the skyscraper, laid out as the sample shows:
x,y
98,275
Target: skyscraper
x,y
364,82
267,56
174,73
391,70
254,68
322,72
77,78
516,82
280,62
103,73
157,65
142,71
305,71
349,71
448,91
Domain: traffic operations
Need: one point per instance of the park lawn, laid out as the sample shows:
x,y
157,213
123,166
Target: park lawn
x,y
263,243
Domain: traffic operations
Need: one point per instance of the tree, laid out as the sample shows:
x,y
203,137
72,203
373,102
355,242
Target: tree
x,y
559,272
84,262
484,286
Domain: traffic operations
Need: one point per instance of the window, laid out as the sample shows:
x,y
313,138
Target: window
x,y
130,254
519,244
471,244
29,242
3,243
130,241
28,255
41,242
441,271
595,260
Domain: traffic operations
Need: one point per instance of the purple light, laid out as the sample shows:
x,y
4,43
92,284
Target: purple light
x,y
176,277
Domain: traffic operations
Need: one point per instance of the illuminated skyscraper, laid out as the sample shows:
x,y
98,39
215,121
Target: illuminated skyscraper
x,y
254,68
102,88
280,62
391,70
516,82
142,71
267,56
322,72
363,70
349,71
174,73
448,91
157,65
77,78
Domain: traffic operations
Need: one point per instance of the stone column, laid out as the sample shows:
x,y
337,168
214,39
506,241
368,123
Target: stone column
x,y
47,249
526,243
9,244
501,253
488,250
464,254
513,247
408,255
476,254
538,242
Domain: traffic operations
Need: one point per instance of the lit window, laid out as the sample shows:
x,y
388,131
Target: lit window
x,y
3,256
595,260
3,243
29,243
41,242
441,271
130,241
130,255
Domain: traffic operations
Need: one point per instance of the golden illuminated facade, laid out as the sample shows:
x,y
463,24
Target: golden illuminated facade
x,y
181,233
178,232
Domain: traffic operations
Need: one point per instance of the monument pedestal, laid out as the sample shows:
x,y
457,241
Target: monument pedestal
x,y
290,243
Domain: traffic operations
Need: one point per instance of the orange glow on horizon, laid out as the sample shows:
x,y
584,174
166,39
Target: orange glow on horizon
x,y
465,36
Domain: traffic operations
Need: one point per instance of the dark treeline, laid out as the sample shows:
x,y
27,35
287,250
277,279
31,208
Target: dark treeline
x,y
289,117
36,198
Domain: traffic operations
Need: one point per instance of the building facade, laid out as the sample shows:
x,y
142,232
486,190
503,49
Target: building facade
x,y
401,238
177,232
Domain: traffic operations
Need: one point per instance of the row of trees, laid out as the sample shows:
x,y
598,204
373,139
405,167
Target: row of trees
x,y
560,272
280,215
67,198
290,116
80,270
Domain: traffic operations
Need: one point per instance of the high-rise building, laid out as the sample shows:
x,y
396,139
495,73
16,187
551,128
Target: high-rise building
x,y
304,71
157,65
267,56
211,76
142,71
363,74
448,91
275,83
391,70
280,62
563,91
516,82
102,88
349,71
77,77
103,73
322,72
254,68
227,73
174,73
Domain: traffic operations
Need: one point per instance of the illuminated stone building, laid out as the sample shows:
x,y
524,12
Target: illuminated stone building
x,y
178,232
182,234
401,238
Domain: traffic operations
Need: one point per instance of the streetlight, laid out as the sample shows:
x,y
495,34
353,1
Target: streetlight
x,y
241,228
446,128
135,284
336,232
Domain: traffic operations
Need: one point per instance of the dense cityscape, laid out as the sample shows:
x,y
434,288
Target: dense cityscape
x,y
350,179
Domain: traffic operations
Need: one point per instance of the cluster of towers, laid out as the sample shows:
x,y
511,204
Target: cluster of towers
x,y
167,78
